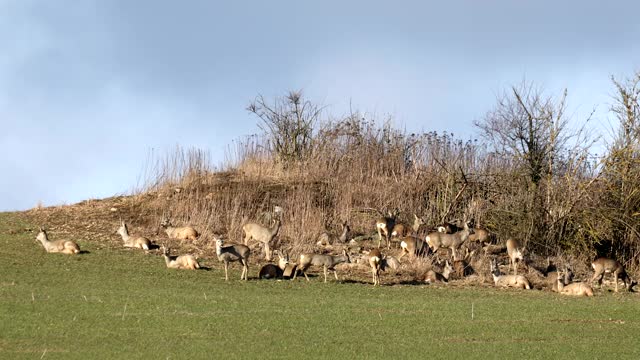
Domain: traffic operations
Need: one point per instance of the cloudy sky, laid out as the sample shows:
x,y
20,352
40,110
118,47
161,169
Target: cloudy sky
x,y
89,88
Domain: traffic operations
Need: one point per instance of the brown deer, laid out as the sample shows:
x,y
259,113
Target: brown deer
x,y
602,266
328,262
433,276
232,253
401,229
59,246
180,233
517,281
413,246
481,236
262,234
187,262
385,224
576,288
515,253
131,241
437,240
375,260
273,271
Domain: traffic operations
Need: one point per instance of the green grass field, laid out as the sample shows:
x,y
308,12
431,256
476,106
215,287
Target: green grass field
x,y
117,303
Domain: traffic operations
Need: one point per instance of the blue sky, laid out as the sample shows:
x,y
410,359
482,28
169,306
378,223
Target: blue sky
x,y
88,88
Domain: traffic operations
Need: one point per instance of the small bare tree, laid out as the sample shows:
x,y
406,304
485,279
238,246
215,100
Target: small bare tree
x,y
288,123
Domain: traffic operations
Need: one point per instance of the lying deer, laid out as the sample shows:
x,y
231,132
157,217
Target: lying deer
x,y
517,281
133,242
58,246
433,276
187,262
181,233
273,271
328,262
576,288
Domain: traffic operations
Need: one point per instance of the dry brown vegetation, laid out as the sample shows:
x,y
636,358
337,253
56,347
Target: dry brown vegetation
x,y
532,178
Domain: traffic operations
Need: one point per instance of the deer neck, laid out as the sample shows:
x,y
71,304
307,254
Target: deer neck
x,y
125,235
167,259
275,228
446,272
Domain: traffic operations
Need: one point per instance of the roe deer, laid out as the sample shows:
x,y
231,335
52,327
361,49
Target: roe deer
x,y
437,240
187,262
515,253
324,239
481,236
402,229
58,246
262,234
273,271
385,224
448,228
553,276
328,262
461,267
576,288
133,242
433,276
517,281
413,246
346,233
180,233
602,266
375,260
233,253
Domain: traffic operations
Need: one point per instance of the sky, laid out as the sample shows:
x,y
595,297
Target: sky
x,y
89,88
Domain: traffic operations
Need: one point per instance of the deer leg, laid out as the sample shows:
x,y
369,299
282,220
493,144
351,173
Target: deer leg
x,y
335,272
267,251
226,271
615,279
305,274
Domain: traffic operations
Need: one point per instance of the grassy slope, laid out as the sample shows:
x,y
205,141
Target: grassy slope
x,y
115,303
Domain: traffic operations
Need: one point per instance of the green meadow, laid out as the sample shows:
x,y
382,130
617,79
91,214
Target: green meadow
x,y
116,303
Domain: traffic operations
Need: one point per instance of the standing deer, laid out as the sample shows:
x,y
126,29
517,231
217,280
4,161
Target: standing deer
x,y
233,253
432,276
517,281
402,229
515,253
375,260
272,271
437,240
261,234
59,246
187,262
328,262
385,224
132,242
576,288
413,246
180,233
602,266
481,236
